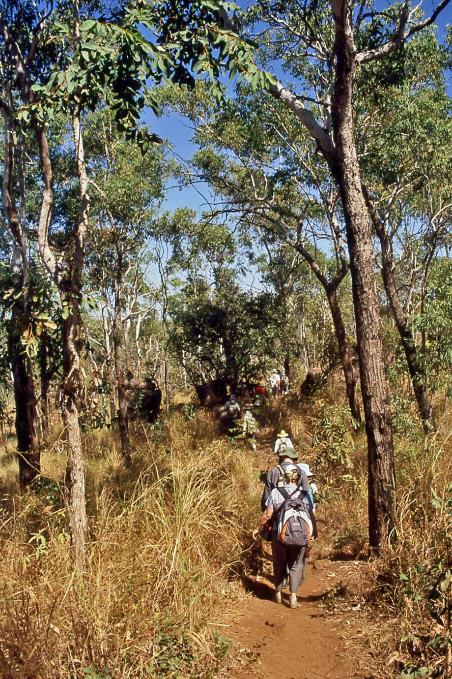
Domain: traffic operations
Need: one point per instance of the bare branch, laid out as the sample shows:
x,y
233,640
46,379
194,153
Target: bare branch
x,y
401,34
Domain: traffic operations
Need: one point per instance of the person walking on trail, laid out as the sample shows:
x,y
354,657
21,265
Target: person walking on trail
x,y
275,382
229,413
274,477
250,427
282,441
284,384
289,548
313,488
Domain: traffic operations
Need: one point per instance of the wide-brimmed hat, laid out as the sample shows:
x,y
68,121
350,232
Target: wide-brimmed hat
x,y
288,452
282,434
305,467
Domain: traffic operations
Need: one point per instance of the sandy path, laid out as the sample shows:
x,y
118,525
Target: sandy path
x,y
305,643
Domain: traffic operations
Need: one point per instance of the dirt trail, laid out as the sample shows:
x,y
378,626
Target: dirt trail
x,y
305,643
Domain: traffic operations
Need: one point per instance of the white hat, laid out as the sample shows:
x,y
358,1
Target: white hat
x,y
305,467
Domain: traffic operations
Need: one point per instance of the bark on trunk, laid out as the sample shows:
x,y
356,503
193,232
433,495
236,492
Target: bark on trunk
x,y
123,408
25,404
415,369
345,354
21,366
45,376
75,477
374,387
70,288
110,369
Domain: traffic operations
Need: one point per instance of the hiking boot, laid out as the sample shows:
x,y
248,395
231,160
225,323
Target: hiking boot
x,y
293,600
278,596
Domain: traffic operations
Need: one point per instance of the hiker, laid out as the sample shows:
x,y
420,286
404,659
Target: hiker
x,y
282,441
229,413
274,478
284,384
260,395
250,427
290,534
275,382
313,488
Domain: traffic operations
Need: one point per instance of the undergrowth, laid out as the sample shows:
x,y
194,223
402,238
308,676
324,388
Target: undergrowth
x,y
163,540
169,536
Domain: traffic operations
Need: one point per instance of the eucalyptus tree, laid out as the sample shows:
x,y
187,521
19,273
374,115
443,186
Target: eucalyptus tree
x,y
324,47
305,332
407,168
267,177
15,23
126,186
69,57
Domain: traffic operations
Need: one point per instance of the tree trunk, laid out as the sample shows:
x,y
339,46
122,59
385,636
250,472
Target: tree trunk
x,y
110,369
374,387
345,354
75,477
123,414
25,404
330,287
45,375
415,369
70,288
21,366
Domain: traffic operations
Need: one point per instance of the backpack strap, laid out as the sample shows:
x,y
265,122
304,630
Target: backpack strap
x,y
286,495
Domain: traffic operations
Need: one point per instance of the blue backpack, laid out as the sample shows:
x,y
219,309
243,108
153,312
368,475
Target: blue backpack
x,y
295,526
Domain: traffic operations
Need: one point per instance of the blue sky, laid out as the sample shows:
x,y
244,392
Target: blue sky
x,y
178,132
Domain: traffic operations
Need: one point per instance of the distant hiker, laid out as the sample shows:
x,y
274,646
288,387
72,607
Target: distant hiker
x,y
284,384
313,488
274,478
260,395
229,413
250,427
292,526
275,382
282,441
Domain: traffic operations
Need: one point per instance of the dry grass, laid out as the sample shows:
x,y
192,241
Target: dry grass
x,y
167,535
164,537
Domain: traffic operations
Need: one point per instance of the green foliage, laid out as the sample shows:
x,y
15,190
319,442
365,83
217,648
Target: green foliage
x,y
432,585
226,335
92,673
172,651
334,442
435,323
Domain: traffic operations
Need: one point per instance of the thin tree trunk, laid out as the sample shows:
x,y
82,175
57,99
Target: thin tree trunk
x,y
374,387
110,368
123,415
71,290
330,287
415,369
166,383
21,366
25,405
45,375
345,354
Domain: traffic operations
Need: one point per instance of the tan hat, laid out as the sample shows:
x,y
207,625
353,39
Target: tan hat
x,y
282,434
